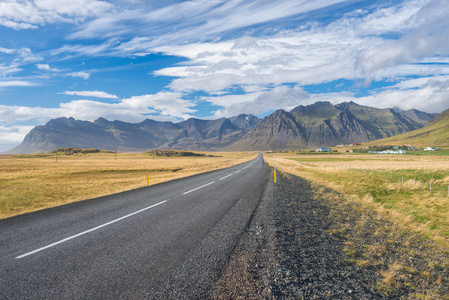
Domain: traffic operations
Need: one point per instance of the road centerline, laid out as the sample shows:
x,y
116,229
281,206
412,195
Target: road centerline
x,y
226,176
200,187
89,230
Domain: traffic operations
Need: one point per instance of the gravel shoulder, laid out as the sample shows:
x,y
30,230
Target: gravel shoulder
x,y
306,242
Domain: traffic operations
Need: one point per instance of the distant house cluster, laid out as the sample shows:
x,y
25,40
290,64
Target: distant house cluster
x,y
379,149
410,147
394,150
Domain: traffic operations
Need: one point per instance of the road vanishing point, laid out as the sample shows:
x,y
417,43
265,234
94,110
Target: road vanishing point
x,y
137,244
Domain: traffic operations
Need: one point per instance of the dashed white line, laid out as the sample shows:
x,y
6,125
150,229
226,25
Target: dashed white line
x,y
200,187
90,230
226,176
119,219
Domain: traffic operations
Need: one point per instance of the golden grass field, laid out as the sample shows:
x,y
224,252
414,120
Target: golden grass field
x,y
32,183
396,186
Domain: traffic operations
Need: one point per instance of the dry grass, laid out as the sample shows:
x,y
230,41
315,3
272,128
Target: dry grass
x,y
366,181
29,184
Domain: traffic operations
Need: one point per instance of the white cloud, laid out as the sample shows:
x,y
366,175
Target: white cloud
x,y
425,38
46,67
11,83
304,57
82,74
14,134
58,72
28,14
97,94
8,70
192,21
15,59
281,97
11,136
428,94
166,104
7,51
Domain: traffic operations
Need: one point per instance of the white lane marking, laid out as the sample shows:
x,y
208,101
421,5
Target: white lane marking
x,y
237,171
90,230
200,187
226,176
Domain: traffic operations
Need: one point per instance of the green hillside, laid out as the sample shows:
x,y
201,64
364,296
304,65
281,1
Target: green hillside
x,y
436,133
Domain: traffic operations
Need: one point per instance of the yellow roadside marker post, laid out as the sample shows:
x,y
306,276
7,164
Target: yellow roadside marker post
x,y
274,176
148,179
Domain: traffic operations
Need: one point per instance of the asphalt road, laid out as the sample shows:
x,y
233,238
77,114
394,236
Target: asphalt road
x,y
171,239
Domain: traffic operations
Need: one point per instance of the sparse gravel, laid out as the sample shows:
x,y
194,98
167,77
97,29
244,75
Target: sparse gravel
x,y
301,246
288,252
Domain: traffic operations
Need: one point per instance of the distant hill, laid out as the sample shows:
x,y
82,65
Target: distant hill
x,y
319,124
435,133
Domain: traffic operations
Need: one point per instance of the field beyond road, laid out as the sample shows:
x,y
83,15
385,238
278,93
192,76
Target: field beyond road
x,y
412,191
34,182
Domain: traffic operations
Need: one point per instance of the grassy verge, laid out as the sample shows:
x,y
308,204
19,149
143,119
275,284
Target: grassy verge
x,y
413,190
33,182
407,222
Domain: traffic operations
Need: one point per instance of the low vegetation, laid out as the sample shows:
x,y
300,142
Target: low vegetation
x,y
414,190
38,181
171,153
396,196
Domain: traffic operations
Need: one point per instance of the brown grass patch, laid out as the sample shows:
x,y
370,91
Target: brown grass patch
x,y
29,184
408,204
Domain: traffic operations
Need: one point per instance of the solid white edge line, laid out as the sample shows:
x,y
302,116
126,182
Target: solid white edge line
x,y
90,230
200,187
226,176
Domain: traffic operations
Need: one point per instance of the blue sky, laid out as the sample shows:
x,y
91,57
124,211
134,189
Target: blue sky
x,y
172,60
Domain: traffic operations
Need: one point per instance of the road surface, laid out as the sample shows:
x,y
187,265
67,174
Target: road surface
x,y
167,239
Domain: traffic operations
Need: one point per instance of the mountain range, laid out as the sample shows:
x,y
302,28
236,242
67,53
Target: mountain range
x,y
319,124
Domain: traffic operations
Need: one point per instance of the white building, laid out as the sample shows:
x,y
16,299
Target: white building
x,y
431,149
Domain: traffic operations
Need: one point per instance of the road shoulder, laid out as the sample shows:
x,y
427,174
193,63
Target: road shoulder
x,y
303,245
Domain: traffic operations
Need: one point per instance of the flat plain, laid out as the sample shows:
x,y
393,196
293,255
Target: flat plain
x,y
33,182
410,190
